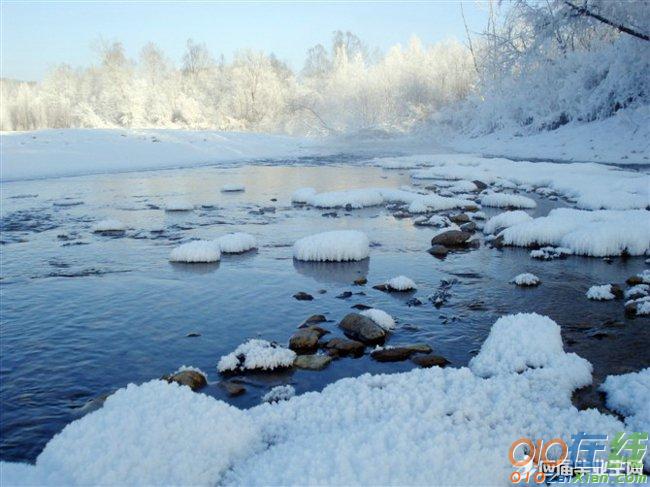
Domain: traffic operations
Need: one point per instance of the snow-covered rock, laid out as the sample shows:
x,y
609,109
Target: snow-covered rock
x,y
197,251
383,319
526,280
109,225
629,394
600,293
279,393
401,283
256,354
506,200
236,243
334,246
505,220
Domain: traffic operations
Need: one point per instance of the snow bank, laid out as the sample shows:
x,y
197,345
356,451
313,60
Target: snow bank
x,y
256,354
236,243
364,430
526,279
506,200
334,246
401,283
232,188
197,251
629,394
109,225
505,220
383,319
178,205
594,233
600,293
279,393
354,198
303,195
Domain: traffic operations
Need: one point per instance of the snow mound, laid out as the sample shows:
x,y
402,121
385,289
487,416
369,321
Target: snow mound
x,y
505,200
593,233
550,253
401,283
236,243
256,354
629,394
109,225
526,279
380,317
232,188
639,290
600,293
351,198
178,205
303,195
642,306
279,393
197,251
334,246
505,220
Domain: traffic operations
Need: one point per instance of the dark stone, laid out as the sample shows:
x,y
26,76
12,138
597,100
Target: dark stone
x,y
304,340
414,302
362,328
302,296
468,227
330,214
312,320
451,238
345,295
459,218
342,347
396,354
471,208
430,360
630,309
312,362
381,287
233,388
480,185
497,242
633,281
191,378
360,281
361,307
322,291
438,250
617,291
193,335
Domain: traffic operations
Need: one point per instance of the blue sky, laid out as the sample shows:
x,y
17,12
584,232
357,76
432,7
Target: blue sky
x,y
39,35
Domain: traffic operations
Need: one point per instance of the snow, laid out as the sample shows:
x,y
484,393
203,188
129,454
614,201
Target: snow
x,y
600,293
401,283
550,253
380,317
236,243
109,225
639,289
433,221
303,195
178,204
232,188
72,152
279,393
629,394
643,306
363,429
355,198
333,246
505,200
593,233
505,220
645,276
526,279
197,251
257,354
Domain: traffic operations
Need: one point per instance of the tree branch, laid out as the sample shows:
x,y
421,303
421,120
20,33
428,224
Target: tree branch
x,y
587,13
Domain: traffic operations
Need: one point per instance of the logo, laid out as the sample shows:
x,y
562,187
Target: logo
x,y
587,458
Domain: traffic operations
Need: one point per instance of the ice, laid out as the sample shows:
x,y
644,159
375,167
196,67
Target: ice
x,y
629,394
197,251
526,279
354,198
279,393
506,200
236,243
357,431
109,225
383,319
333,246
303,195
401,283
232,188
600,293
505,220
256,354
178,204
550,253
593,233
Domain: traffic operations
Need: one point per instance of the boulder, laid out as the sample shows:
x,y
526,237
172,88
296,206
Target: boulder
x,y
233,388
468,227
362,328
451,238
459,218
302,296
360,281
634,280
312,362
430,360
342,347
395,354
617,291
190,378
480,185
304,340
312,320
438,250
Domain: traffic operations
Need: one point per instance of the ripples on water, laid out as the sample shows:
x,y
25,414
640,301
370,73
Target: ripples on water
x,y
85,314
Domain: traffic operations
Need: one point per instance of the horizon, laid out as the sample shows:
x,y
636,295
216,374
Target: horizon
x,y
285,29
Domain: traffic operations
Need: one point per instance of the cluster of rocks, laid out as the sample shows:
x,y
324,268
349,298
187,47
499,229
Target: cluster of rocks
x,y
450,240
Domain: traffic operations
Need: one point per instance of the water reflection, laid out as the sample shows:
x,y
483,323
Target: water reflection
x,y
333,272
195,268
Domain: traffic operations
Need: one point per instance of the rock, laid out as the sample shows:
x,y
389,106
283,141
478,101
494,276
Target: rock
x,y
330,214
304,340
360,281
438,250
233,388
468,227
417,347
362,328
381,287
497,242
617,291
361,307
459,218
414,302
193,334
451,238
630,309
312,320
430,360
342,347
633,281
312,362
191,378
471,208
322,291
345,295
302,296
480,185
395,354
316,329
